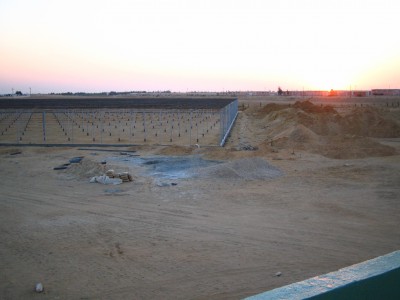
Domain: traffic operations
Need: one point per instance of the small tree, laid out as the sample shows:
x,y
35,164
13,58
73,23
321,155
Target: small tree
x,y
280,92
18,93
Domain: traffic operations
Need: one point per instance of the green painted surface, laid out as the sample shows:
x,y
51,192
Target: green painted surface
x,y
378,278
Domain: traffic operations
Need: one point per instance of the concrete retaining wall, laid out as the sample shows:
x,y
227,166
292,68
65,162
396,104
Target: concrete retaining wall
x,y
378,278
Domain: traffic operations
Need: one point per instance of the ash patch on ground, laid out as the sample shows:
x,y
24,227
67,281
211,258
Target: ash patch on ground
x,y
194,166
254,168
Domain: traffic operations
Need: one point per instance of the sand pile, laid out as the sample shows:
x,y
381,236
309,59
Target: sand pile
x,y
270,107
309,107
298,134
321,129
370,122
85,169
322,121
245,168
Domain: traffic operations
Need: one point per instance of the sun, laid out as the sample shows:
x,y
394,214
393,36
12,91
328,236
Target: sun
x,y
336,73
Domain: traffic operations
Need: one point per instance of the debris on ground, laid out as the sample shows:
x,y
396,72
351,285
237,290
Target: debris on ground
x,y
76,160
39,288
104,179
247,147
124,176
164,183
61,167
111,177
16,153
110,173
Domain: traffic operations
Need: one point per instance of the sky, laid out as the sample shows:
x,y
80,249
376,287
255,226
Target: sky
x,y
198,45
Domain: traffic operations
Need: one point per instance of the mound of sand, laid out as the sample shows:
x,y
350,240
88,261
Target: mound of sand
x,y
322,124
309,107
85,169
245,168
298,134
370,122
270,107
321,129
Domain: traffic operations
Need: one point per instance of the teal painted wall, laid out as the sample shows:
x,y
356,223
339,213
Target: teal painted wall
x,y
378,278
385,286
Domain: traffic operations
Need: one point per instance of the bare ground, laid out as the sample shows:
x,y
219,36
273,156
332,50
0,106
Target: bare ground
x,y
213,237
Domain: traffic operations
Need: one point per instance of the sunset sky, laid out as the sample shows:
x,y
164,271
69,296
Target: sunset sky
x,y
198,45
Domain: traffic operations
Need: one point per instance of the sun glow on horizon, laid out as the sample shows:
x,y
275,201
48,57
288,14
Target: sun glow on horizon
x,y
57,46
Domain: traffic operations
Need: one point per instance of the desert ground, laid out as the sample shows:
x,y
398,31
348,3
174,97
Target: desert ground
x,y
301,188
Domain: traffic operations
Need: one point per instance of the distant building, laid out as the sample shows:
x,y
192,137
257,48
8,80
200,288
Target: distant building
x,y
385,92
360,93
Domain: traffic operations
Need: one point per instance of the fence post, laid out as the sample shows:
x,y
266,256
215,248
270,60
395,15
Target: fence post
x,y
144,126
190,129
44,126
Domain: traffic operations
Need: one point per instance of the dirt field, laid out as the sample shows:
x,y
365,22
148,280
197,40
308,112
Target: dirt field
x,y
123,121
301,189
117,127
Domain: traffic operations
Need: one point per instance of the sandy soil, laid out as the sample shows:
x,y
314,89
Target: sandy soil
x,y
222,235
119,126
